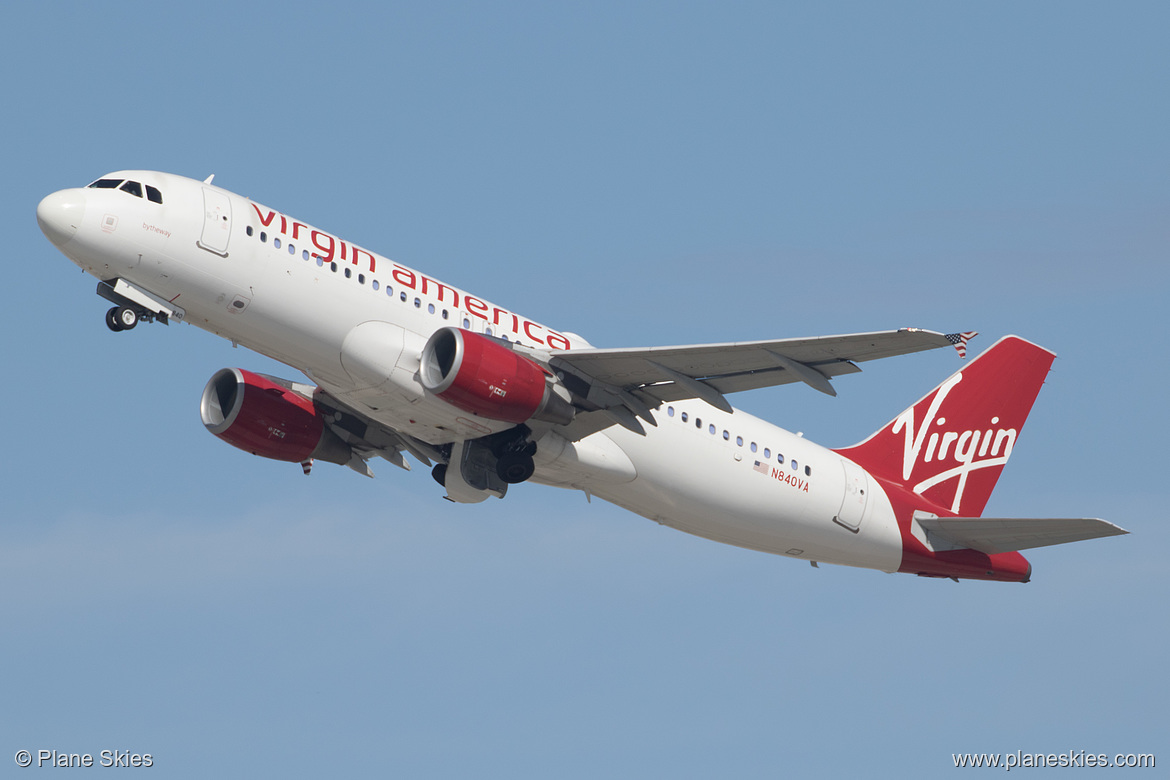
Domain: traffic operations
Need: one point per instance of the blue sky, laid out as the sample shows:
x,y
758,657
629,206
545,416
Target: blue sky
x,y
655,173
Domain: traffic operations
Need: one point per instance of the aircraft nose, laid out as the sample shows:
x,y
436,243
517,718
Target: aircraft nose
x,y
59,215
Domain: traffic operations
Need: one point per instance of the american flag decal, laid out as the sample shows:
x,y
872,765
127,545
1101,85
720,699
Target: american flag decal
x,y
959,340
761,467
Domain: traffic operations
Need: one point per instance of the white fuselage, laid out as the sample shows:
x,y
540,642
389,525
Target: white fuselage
x,y
324,306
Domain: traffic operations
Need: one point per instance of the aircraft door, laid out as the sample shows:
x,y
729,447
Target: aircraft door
x,y
217,222
854,499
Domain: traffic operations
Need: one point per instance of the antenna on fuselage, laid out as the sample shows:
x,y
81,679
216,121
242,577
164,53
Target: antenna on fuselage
x,y
208,179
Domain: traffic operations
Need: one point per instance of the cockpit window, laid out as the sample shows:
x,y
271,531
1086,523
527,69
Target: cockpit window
x,y
131,187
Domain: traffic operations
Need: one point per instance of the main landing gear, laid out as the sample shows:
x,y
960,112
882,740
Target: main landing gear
x,y
513,452
515,465
479,468
513,458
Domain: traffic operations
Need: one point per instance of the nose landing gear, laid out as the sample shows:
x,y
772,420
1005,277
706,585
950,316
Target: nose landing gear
x,y
133,304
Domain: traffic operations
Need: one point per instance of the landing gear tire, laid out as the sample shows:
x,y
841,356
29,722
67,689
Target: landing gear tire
x,y
515,469
112,320
126,317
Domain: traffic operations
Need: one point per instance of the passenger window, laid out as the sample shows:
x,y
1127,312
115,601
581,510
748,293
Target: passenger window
x,y
133,187
276,243
738,441
670,411
374,284
808,471
292,250
795,467
726,436
248,230
684,416
444,314
767,452
430,308
155,196
753,446
698,423
466,324
305,254
263,237
417,303
348,273
780,457
361,278
320,261
106,184
333,267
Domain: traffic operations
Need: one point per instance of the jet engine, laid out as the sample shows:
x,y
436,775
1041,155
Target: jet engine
x,y
482,376
260,416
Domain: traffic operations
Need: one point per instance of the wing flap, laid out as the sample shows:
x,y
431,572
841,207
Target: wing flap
x,y
1007,534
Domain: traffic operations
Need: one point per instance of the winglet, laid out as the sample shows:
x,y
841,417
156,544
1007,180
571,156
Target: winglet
x,y
959,340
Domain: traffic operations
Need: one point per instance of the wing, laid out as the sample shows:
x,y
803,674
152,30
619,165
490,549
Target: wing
x,y
1000,534
622,385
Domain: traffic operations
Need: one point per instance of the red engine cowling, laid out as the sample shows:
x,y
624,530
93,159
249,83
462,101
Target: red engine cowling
x,y
259,416
479,375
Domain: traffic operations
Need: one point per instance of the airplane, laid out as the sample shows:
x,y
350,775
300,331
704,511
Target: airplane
x,y
399,363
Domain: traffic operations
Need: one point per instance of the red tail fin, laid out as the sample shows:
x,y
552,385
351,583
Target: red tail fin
x,y
951,446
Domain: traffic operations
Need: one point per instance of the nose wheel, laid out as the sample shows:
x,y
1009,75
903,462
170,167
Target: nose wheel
x,y
121,318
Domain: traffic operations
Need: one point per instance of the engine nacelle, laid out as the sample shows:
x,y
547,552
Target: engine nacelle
x,y
260,416
479,375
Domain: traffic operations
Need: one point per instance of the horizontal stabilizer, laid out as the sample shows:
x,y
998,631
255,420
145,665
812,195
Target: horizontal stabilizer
x,y
993,535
